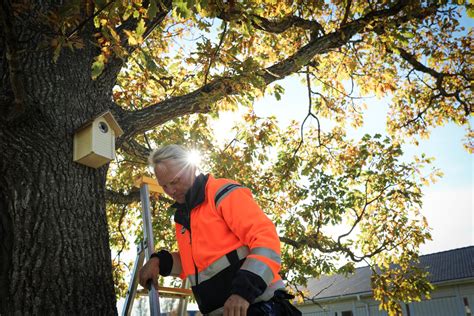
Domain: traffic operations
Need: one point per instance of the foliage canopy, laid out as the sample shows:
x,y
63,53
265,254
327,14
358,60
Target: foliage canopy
x,y
333,198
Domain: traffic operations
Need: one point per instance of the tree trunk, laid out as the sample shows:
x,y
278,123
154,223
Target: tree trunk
x,y
55,257
54,247
55,253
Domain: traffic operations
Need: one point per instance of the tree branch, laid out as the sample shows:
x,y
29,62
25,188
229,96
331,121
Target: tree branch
x,y
199,101
216,53
285,24
113,67
150,25
346,12
330,41
88,19
120,198
310,114
273,26
313,242
410,58
439,76
135,149
420,114
119,227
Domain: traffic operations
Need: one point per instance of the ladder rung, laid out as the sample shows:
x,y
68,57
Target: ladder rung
x,y
168,292
153,185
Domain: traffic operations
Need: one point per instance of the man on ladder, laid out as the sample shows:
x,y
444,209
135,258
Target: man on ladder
x,y
228,248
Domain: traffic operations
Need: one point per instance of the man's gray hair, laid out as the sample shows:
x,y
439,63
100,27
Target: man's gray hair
x,y
169,152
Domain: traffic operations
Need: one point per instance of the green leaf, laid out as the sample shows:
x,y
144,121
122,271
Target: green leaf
x,y
402,39
470,11
97,68
57,49
100,3
96,22
182,8
150,63
408,34
277,96
140,28
152,9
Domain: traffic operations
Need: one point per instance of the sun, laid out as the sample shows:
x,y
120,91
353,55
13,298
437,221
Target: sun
x,y
194,157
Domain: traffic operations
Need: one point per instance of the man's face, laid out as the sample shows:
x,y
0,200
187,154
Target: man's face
x,y
174,180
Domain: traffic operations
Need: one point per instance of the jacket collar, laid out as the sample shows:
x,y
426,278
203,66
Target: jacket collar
x,y
195,196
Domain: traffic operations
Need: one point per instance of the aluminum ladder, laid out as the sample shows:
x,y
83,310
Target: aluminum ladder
x,y
145,248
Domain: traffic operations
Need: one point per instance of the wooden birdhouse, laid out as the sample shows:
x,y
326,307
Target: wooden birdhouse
x,y
94,142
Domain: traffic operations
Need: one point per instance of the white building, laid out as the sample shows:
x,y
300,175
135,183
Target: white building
x,y
451,272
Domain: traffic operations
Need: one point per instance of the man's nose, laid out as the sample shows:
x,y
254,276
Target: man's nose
x,y
170,191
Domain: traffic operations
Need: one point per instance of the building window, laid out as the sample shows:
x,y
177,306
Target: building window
x,y
347,313
466,307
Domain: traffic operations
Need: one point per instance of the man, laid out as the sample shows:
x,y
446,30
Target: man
x,y
228,248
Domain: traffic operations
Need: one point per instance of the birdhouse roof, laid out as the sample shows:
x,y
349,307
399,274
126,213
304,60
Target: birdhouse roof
x,y
112,122
109,118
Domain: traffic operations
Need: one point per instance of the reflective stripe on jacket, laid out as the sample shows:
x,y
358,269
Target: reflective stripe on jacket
x,y
224,237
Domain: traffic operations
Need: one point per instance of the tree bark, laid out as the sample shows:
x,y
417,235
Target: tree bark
x,y
55,255
54,245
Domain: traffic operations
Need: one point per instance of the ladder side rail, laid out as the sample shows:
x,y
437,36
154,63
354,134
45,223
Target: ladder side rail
x,y
132,287
183,301
150,247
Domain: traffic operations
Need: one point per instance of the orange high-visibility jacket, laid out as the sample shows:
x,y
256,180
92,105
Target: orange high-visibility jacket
x,y
227,245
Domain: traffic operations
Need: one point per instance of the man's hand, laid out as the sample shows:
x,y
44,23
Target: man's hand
x,y
149,272
236,306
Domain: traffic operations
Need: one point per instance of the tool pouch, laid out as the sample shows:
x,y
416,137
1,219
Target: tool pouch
x,y
283,304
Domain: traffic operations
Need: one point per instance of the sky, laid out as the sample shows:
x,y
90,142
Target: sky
x,y
447,204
